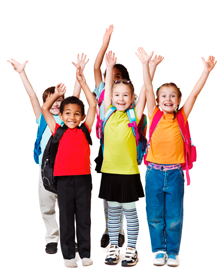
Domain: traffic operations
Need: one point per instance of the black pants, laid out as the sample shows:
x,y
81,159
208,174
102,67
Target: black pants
x,y
74,197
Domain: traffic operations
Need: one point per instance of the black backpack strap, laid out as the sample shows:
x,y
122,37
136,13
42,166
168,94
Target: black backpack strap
x,y
55,143
85,130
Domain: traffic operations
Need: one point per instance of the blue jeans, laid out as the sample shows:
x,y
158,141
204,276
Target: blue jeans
x,y
164,205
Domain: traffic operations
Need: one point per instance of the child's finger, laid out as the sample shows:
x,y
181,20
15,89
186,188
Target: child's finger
x,y
74,64
10,62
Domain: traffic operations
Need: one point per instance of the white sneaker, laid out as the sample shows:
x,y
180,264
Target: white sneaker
x,y
160,258
172,260
70,263
113,255
131,257
87,261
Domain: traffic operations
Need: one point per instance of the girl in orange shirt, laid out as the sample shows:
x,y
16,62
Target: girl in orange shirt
x,y
164,177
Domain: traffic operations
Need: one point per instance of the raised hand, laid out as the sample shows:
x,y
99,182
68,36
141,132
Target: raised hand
x,y
17,66
110,59
81,62
143,56
156,60
80,76
107,35
209,64
60,89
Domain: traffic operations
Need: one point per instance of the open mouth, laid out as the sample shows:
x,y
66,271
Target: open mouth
x,y
71,122
168,104
121,104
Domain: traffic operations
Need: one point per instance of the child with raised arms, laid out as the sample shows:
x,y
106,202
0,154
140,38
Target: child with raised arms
x,y
72,170
164,176
119,72
120,184
47,199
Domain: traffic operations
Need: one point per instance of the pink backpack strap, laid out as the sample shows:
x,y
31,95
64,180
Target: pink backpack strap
x,y
158,115
186,137
99,122
101,98
155,122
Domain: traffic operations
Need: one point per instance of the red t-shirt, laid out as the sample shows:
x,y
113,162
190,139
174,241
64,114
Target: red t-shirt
x,y
73,155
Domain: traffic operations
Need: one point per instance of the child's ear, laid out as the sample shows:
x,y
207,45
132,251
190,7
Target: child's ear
x,y
179,100
60,115
83,117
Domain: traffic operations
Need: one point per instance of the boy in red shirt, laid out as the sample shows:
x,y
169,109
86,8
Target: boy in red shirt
x,y
72,169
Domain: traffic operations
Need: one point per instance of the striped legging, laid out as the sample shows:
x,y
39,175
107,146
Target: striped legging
x,y
130,212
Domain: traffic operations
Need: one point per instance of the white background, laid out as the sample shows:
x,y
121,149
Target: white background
x,y
49,34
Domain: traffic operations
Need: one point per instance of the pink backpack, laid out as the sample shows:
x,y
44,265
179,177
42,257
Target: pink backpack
x,y
99,122
189,149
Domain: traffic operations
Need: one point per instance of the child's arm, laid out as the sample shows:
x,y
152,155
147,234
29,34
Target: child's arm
x,y
90,117
151,102
81,62
208,66
110,62
33,97
101,54
140,105
59,91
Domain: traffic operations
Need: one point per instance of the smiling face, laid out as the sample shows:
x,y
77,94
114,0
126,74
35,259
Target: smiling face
x,y
122,97
168,99
55,109
72,115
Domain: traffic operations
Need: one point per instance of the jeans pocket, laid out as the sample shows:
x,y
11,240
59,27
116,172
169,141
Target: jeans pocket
x,y
181,173
147,173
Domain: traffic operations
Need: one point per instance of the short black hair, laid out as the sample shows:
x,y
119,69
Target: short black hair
x,y
72,100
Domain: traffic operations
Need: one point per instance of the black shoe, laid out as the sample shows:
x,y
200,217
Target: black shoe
x,y
51,248
121,240
104,240
76,247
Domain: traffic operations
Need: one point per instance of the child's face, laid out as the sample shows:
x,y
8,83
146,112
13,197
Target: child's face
x,y
55,109
72,115
168,99
122,97
116,74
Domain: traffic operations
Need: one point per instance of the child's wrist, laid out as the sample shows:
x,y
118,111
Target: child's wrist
x,y
206,72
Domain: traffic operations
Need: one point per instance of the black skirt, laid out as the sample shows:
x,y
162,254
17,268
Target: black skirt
x,y
121,188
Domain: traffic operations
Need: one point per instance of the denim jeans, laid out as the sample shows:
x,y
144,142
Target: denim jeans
x,y
164,205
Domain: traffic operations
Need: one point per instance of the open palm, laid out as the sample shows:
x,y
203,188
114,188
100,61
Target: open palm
x,y
17,66
143,56
81,62
210,63
156,60
110,59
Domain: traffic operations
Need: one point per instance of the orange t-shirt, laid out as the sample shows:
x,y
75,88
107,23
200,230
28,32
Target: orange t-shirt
x,y
167,145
